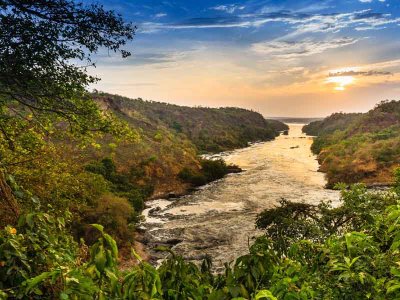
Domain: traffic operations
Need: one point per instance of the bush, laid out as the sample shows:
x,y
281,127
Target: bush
x,y
121,184
114,214
214,169
210,170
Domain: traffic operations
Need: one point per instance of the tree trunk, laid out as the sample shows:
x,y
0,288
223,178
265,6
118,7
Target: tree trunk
x,y
9,210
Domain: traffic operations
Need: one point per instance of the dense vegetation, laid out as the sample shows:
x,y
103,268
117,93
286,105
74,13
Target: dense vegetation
x,y
350,251
359,147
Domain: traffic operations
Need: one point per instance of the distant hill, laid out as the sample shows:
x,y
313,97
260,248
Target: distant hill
x,y
296,120
336,121
359,147
210,129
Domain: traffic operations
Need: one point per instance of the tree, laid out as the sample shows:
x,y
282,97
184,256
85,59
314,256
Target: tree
x,y
46,47
40,42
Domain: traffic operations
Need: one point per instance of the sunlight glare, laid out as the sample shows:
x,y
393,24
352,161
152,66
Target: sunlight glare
x,y
341,82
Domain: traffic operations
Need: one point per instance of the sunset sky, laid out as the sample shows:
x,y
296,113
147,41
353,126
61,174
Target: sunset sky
x,y
296,58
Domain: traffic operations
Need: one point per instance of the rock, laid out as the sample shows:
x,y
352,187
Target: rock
x,y
172,242
171,195
154,210
234,169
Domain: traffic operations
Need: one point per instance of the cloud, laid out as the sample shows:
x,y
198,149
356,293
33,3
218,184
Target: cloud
x,y
160,15
300,22
360,73
140,59
296,49
156,58
229,8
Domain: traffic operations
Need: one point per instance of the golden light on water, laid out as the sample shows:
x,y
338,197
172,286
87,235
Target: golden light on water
x,y
340,82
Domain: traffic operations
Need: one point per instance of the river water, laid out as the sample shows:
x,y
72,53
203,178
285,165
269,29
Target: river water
x,y
218,220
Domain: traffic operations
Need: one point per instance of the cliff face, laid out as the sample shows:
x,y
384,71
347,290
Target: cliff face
x,y
359,147
172,136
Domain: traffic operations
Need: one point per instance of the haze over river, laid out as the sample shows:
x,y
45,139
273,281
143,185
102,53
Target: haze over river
x,y
219,219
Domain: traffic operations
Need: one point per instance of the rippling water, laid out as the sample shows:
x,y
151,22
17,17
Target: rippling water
x,y
218,219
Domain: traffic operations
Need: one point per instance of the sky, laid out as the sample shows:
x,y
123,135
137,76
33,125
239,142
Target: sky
x,y
286,58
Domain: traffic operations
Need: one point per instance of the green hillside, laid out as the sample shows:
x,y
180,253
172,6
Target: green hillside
x,y
210,129
359,147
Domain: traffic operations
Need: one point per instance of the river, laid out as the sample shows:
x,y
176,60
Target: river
x,y
218,219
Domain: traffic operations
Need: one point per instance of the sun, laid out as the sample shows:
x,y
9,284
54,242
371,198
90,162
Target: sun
x,y
341,82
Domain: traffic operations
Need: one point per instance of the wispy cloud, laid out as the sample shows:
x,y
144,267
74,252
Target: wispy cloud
x,y
160,15
228,8
140,59
298,49
370,1
360,73
300,22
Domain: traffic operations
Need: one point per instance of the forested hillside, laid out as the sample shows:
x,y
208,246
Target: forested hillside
x,y
210,129
359,147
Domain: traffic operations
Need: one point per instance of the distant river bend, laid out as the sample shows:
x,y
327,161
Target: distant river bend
x,y
218,220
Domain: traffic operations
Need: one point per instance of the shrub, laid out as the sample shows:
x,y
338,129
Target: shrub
x,y
210,170
112,212
214,169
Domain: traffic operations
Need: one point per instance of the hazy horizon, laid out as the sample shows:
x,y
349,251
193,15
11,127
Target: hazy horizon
x,y
281,58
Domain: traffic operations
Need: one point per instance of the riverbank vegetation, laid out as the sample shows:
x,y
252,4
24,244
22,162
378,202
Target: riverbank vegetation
x,y
359,147
350,251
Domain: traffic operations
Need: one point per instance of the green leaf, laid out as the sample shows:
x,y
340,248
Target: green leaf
x,y
64,296
98,227
265,294
393,288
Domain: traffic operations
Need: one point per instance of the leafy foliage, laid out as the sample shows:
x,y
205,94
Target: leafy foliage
x,y
347,251
39,41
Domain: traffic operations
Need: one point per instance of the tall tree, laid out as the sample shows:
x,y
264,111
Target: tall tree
x,y
46,47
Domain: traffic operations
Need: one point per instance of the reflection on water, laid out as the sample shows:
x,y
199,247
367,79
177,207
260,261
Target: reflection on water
x,y
218,220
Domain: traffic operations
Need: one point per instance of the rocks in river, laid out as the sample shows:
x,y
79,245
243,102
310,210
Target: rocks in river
x,y
172,242
171,195
155,210
167,236
234,169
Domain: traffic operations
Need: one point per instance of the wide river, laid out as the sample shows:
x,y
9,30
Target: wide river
x,y
218,220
